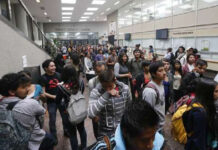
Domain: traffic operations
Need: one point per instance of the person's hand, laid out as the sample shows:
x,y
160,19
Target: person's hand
x,y
129,75
136,94
113,92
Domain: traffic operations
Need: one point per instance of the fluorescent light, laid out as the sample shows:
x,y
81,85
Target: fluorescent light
x,y
45,13
66,33
67,8
93,19
92,9
90,33
98,2
68,1
102,13
116,3
49,20
66,17
209,1
84,17
88,13
108,9
67,13
66,20
38,1
81,20
78,33
186,6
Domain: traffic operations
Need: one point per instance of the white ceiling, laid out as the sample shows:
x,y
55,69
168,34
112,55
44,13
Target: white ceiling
x,y
54,12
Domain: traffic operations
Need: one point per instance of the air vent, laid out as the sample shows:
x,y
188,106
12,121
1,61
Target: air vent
x,y
42,8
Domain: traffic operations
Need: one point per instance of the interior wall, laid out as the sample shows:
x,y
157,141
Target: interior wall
x,y
13,46
100,27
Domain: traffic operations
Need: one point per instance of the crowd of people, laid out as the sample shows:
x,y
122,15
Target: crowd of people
x,y
128,100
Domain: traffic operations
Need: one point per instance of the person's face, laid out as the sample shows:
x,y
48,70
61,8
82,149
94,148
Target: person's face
x,y
99,69
114,52
100,52
191,59
216,93
145,140
51,68
166,66
142,55
160,74
189,52
200,69
177,66
22,90
124,58
108,86
180,50
137,54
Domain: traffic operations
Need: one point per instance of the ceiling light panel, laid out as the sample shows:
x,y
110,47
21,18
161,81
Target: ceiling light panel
x,y
66,17
84,17
66,20
116,3
67,13
92,9
38,1
67,8
81,20
98,2
108,9
45,13
68,1
88,13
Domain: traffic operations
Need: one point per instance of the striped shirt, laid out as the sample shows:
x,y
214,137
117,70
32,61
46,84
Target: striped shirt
x,y
109,108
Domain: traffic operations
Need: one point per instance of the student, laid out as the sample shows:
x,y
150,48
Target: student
x,y
121,69
143,78
189,80
14,89
177,79
108,98
167,82
49,82
169,55
183,60
88,66
189,66
98,67
59,62
99,56
154,94
200,119
180,53
71,84
112,59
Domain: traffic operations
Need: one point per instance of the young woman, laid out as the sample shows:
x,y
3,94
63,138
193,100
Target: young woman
x,y
143,78
199,121
177,78
71,83
121,70
88,66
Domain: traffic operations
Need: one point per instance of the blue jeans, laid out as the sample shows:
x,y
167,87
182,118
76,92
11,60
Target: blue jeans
x,y
52,110
73,135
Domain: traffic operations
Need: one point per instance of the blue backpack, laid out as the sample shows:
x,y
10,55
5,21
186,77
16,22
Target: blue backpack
x,y
13,135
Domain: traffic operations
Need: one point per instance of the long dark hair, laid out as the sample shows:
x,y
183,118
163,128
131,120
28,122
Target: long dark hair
x,y
205,96
120,58
70,76
173,67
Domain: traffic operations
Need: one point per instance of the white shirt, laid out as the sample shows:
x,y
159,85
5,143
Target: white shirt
x,y
190,67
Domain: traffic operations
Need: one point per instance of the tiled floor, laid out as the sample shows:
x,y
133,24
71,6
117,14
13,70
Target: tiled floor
x,y
65,145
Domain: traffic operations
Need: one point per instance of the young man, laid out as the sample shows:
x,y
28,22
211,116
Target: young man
x,y
189,66
98,67
99,56
137,130
14,89
112,59
108,101
135,69
49,82
154,91
190,79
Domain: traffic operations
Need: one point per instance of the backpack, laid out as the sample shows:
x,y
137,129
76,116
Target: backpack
x,y
13,135
152,86
178,129
77,106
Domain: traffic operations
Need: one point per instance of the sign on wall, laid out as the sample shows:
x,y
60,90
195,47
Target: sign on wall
x,y
112,28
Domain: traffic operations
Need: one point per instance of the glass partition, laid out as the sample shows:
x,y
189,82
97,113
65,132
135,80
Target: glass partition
x,y
163,8
183,6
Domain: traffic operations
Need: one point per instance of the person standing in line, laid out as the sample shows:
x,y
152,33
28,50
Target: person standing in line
x,y
135,68
112,59
189,66
49,82
180,53
71,84
154,93
121,69
88,67
183,60
99,56
107,102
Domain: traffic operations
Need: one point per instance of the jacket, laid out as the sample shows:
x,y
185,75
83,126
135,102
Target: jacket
x,y
109,109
